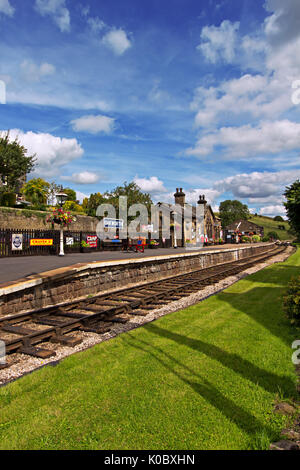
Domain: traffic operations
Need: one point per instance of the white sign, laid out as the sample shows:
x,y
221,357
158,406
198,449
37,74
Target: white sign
x,y
69,241
147,228
17,242
113,223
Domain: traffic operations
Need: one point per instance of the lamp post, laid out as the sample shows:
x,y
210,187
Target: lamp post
x,y
175,238
61,198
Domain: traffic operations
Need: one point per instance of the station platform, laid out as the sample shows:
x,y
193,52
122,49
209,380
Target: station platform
x,y
13,269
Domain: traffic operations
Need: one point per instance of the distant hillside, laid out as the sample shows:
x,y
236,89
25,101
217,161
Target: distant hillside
x,y
271,225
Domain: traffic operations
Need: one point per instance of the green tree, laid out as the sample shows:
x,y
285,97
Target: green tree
x,y
14,163
133,193
70,193
278,218
95,200
72,206
292,195
37,191
231,211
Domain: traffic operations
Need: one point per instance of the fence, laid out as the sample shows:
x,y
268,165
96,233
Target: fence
x,y
46,242
41,242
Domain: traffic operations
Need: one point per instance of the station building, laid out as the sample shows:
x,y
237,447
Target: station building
x,y
209,230
239,228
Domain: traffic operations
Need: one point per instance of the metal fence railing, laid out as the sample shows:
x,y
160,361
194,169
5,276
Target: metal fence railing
x,y
14,243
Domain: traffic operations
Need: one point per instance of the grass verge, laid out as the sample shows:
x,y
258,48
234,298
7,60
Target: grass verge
x,y
202,378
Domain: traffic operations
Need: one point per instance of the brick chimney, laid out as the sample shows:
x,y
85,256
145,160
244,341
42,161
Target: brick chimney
x,y
179,197
203,201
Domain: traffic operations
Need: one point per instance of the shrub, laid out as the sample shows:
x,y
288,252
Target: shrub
x,y
72,206
265,239
273,235
246,239
256,238
291,301
7,199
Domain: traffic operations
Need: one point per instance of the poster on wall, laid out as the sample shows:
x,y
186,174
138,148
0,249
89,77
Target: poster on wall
x,y
69,241
92,241
17,242
41,242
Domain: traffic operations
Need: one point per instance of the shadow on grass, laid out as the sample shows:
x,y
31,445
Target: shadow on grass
x,y
228,408
264,306
267,380
279,274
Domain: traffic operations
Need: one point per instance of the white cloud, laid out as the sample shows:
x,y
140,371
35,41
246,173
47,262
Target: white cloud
x,y
6,8
51,152
34,73
248,96
192,196
94,124
117,40
81,196
219,42
57,10
85,177
272,211
241,142
152,185
259,187
96,24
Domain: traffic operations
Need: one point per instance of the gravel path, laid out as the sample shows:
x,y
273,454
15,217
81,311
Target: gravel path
x,y
22,364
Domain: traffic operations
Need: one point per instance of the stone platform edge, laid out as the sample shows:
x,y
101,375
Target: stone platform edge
x,y
69,271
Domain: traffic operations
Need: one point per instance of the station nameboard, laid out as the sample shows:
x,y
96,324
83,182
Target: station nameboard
x,y
41,242
113,223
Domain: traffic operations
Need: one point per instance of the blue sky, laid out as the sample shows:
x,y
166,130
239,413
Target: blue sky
x,y
180,93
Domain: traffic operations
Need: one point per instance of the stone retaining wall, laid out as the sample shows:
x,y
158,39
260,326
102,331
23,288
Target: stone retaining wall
x,y
19,219
78,281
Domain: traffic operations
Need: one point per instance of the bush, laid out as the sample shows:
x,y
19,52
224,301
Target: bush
x,y
72,206
7,199
291,301
256,238
246,239
273,235
265,239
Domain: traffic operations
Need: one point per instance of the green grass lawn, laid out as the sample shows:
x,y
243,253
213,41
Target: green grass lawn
x,y
203,378
271,225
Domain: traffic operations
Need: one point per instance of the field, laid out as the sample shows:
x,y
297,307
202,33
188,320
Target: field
x,y
271,225
203,378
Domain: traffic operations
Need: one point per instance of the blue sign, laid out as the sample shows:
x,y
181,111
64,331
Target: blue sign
x,y
113,223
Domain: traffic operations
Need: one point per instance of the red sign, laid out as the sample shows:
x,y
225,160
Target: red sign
x,y
92,241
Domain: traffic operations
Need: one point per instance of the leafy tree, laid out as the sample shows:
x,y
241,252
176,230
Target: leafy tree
x,y
72,206
231,211
292,195
278,218
91,205
14,163
133,193
37,191
70,193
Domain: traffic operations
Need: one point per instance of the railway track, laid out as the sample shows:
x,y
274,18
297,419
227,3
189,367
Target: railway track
x,y
22,333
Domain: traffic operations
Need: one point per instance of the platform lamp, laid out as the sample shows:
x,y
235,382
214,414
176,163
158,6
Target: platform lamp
x,y
175,238
61,199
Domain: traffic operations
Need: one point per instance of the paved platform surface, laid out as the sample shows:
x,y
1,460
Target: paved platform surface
x,y
12,269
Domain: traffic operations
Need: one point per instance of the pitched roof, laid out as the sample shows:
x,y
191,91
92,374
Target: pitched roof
x,y
244,226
